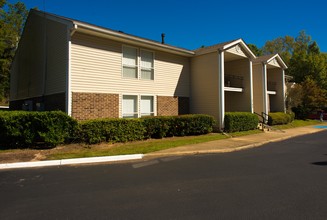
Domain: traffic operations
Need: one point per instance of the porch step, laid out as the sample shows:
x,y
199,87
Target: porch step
x,y
265,127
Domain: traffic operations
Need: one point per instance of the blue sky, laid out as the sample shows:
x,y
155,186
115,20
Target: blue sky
x,y
191,24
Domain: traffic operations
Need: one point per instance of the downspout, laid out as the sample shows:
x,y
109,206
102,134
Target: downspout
x,y
70,33
221,86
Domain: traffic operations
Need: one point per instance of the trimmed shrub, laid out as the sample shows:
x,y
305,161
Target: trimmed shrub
x,y
158,127
20,129
240,121
167,126
301,112
279,118
111,130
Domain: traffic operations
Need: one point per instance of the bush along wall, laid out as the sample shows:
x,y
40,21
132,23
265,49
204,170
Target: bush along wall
x,y
279,118
167,126
123,130
240,121
20,129
111,130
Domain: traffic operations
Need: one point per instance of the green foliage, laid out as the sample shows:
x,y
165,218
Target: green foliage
x,y
12,19
123,130
280,118
167,126
313,96
29,129
301,112
308,67
240,121
111,130
255,49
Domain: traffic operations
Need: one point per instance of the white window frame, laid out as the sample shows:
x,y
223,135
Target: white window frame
x,y
152,68
152,113
136,113
138,102
138,66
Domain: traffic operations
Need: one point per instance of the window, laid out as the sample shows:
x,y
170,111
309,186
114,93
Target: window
x,y
146,65
130,62
138,65
134,106
147,106
130,106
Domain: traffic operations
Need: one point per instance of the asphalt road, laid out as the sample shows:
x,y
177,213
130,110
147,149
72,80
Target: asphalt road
x,y
284,180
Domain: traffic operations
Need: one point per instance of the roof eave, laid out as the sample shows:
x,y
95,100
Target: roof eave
x,y
244,46
125,38
280,60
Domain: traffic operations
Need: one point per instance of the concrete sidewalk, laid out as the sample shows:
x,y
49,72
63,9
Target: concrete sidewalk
x,y
239,143
219,146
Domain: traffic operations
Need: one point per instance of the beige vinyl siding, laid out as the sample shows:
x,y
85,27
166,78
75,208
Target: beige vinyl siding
x,y
277,103
96,66
28,65
40,63
236,101
258,88
57,57
204,80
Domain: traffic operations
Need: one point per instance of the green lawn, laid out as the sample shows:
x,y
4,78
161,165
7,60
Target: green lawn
x,y
147,146
298,123
143,147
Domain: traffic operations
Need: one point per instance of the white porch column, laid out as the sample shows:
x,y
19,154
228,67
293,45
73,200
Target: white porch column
x,y
251,86
221,87
265,87
284,90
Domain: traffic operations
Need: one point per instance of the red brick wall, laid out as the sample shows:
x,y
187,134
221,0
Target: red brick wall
x,y
94,105
172,105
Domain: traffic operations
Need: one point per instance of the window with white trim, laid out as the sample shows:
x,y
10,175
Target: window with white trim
x,y
134,106
147,108
130,69
130,107
138,63
146,65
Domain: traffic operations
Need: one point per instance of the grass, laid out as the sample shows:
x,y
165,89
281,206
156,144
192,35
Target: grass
x,y
147,146
298,123
143,147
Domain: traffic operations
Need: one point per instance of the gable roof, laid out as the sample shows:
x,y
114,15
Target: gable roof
x,y
268,58
225,46
83,27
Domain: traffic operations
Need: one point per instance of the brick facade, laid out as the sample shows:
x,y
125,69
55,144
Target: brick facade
x,y
172,105
94,105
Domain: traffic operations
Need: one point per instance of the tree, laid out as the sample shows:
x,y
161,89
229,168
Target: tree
x,y
313,96
12,19
255,49
284,46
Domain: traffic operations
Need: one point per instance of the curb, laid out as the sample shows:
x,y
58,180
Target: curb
x,y
71,161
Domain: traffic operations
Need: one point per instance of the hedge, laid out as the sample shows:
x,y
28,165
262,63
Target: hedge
x,y
279,118
123,130
111,130
167,126
240,121
20,129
